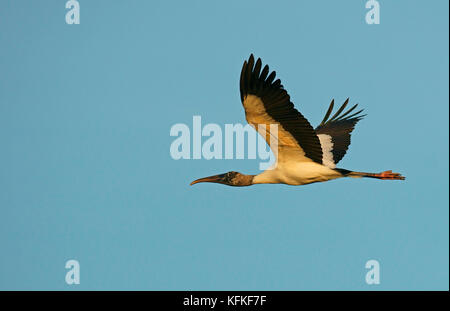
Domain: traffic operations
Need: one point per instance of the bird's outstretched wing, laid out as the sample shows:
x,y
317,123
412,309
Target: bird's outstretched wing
x,y
334,133
266,102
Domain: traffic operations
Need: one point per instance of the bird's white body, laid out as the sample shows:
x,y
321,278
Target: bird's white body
x,y
296,173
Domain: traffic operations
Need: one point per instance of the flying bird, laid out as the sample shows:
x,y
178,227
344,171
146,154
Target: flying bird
x,y
304,155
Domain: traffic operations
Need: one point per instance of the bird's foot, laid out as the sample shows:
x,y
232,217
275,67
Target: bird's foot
x,y
388,175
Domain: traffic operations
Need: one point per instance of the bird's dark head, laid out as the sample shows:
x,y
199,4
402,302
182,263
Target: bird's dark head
x,y
229,179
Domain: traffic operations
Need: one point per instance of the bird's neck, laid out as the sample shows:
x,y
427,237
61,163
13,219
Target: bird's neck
x,y
244,180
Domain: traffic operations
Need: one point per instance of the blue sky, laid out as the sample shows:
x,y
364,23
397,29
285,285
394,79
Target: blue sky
x,y
85,116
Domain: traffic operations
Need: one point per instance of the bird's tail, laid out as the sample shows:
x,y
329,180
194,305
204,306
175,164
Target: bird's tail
x,y
386,175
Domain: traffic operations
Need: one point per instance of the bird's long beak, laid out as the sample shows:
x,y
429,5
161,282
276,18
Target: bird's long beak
x,y
215,179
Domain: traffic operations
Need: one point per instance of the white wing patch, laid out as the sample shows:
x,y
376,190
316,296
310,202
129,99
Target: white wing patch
x,y
327,146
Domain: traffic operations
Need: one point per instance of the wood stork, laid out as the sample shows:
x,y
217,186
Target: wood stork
x,y
305,155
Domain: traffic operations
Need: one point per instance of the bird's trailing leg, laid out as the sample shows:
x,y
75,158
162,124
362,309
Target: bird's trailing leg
x,y
386,175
